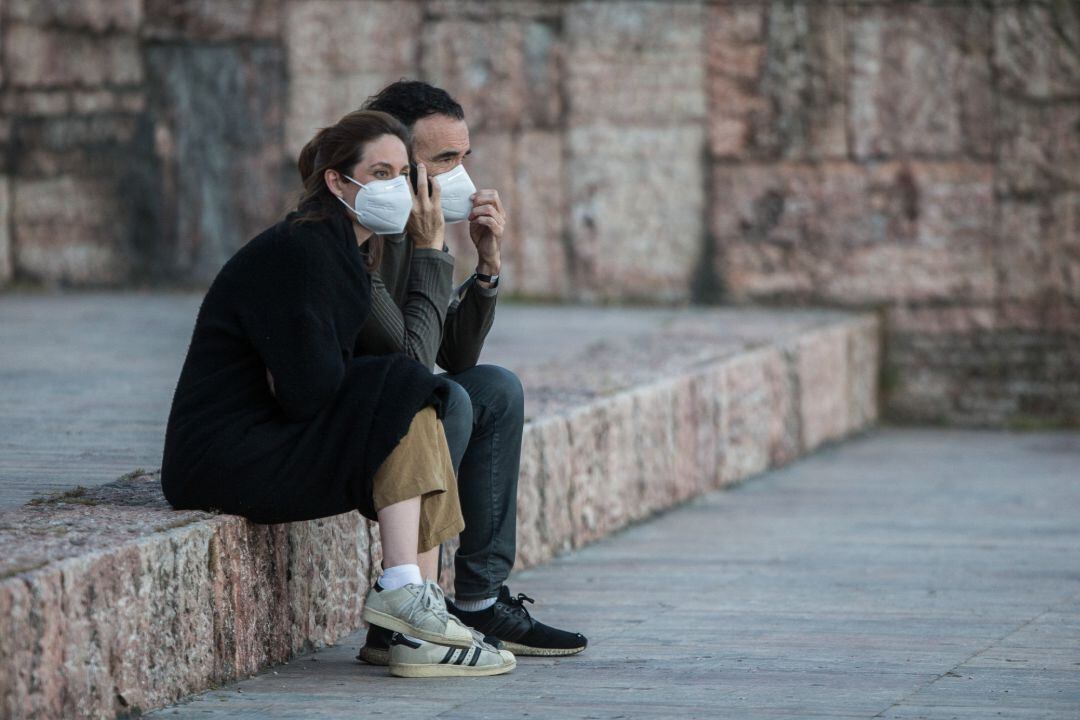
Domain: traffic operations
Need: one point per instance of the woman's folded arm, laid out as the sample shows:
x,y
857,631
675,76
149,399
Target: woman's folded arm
x,y
295,337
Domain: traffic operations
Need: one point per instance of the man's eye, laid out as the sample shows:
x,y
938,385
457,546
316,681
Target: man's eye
x,y
381,174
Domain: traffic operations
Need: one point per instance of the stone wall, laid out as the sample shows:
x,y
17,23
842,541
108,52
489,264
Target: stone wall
x,y
920,158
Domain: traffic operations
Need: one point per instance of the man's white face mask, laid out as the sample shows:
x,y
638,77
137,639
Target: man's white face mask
x,y
456,189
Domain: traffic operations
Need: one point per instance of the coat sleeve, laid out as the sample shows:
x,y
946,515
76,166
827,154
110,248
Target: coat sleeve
x,y
467,324
293,332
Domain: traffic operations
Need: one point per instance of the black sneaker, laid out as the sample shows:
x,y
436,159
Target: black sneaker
x,y
376,650
520,633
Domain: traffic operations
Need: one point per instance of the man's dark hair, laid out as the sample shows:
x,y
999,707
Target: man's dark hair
x,y
411,100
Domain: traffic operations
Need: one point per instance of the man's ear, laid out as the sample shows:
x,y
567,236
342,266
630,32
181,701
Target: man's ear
x,y
332,178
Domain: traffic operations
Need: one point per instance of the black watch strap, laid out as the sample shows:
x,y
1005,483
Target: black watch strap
x,y
493,279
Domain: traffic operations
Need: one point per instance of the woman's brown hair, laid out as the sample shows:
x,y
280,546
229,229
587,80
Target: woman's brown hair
x,y
340,147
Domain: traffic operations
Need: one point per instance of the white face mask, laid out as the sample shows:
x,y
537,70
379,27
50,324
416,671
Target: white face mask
x,y
382,206
455,191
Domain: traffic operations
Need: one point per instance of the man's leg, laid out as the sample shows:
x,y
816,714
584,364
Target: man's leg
x,y
487,482
487,488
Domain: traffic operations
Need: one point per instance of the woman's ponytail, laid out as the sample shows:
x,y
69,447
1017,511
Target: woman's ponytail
x,y
306,162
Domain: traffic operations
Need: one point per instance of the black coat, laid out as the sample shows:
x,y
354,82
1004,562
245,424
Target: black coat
x,y
293,300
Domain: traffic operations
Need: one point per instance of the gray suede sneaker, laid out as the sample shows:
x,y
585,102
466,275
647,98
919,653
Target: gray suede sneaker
x,y
419,659
417,610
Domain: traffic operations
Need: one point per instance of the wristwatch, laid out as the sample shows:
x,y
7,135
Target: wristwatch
x,y
493,279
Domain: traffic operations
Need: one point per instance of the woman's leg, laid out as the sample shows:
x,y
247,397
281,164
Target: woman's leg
x,y
415,498
399,526
429,564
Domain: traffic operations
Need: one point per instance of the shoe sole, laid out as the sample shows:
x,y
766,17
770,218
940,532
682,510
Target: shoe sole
x,y
527,651
430,670
374,656
395,624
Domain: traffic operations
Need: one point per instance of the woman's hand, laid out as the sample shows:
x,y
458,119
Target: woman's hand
x,y
426,226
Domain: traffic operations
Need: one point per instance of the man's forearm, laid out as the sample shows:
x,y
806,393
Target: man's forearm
x,y
467,325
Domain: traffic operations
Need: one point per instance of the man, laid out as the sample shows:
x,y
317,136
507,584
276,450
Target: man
x,y
416,310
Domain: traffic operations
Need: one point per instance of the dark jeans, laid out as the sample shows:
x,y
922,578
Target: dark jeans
x,y
483,422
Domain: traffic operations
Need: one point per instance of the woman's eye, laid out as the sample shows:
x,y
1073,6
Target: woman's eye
x,y
381,174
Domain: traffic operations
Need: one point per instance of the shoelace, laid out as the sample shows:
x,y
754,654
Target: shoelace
x,y
478,638
517,604
430,598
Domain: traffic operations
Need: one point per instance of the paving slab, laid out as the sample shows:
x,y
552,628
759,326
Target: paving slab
x,y
909,573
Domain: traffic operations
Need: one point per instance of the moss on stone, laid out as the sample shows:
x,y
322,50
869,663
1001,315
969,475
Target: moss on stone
x,y
74,495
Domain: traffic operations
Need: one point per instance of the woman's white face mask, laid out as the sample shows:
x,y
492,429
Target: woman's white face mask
x,y
455,190
382,206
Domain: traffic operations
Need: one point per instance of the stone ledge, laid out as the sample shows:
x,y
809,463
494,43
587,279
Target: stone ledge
x,y
110,602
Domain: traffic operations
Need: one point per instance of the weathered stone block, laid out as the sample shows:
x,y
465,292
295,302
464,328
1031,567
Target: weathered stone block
x,y
736,50
44,146
992,366
86,15
636,200
1037,49
6,265
635,62
64,229
325,37
484,10
821,360
864,370
89,102
325,588
35,102
920,80
1065,234
210,20
1039,146
339,54
536,248
701,416
42,56
544,523
219,114
221,596
1038,248
648,441
503,72
761,423
850,233
804,79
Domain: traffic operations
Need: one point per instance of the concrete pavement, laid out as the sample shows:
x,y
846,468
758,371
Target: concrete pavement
x,y
911,573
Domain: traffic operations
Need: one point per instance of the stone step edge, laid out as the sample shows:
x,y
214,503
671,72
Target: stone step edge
x,y
142,624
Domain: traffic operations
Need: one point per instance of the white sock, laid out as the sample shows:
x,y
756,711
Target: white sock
x,y
475,605
399,576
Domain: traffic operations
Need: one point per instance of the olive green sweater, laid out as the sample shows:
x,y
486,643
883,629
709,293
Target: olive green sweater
x,y
416,310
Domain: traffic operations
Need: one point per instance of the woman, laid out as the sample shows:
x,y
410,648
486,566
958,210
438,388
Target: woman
x,y
275,420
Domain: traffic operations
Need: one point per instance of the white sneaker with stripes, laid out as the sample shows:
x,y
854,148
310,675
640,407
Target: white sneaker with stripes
x,y
410,657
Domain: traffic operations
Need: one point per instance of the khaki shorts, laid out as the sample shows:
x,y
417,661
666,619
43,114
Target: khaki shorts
x,y
421,465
